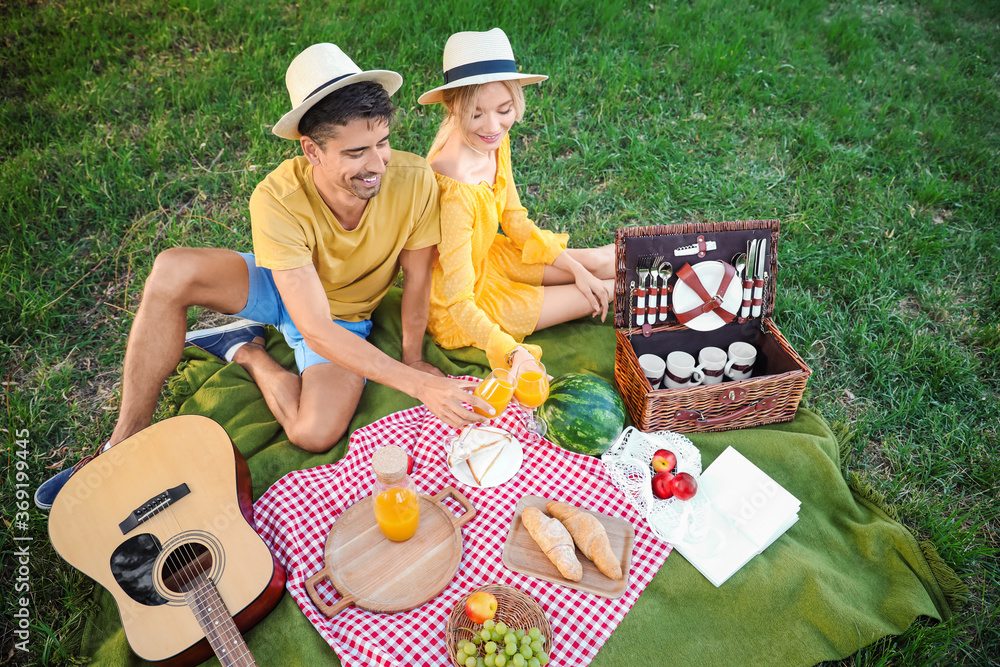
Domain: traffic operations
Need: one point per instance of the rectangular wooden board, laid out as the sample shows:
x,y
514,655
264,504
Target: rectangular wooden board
x,y
522,554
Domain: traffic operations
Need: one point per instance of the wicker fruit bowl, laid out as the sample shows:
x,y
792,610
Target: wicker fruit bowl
x,y
514,607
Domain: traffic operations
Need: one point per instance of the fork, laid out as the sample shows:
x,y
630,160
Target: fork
x,y
642,267
654,287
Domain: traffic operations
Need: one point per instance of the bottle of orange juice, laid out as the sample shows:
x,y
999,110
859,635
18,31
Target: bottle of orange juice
x,y
397,506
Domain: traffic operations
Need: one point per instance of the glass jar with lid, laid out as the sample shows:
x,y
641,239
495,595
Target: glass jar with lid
x,y
394,497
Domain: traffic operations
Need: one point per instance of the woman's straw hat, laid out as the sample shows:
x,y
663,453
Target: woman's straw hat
x,y
478,57
317,72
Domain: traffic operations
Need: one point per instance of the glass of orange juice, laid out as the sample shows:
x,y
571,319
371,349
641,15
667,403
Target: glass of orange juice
x,y
496,389
531,390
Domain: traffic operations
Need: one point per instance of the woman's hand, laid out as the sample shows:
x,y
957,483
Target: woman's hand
x,y
595,290
520,356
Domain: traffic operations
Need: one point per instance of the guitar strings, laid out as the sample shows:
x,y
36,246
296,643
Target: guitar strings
x,y
241,651
185,550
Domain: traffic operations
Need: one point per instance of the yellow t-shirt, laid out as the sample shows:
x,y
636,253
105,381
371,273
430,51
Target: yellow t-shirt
x,y
292,226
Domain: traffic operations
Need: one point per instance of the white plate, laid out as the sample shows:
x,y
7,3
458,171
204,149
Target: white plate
x,y
710,274
505,467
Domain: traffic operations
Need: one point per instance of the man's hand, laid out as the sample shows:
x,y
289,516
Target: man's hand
x,y
444,398
422,365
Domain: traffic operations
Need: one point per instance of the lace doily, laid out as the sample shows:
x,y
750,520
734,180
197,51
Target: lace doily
x,y
629,463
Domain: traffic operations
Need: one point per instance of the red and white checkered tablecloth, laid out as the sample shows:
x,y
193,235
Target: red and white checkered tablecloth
x,y
296,514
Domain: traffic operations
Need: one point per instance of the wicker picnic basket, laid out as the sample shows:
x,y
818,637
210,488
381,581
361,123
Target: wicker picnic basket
x,y
773,391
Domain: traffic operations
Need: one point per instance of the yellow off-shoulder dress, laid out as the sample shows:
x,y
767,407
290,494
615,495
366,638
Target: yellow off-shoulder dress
x,y
486,287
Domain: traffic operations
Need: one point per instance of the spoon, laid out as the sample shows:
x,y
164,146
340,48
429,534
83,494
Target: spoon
x,y
740,262
666,271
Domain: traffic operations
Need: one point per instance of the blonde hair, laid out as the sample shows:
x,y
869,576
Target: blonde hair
x,y
460,104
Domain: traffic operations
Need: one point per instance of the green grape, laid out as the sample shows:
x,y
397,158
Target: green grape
x,y
536,646
519,633
500,660
501,627
543,658
510,649
470,662
526,651
519,660
477,640
525,640
471,649
480,662
535,633
489,660
489,624
533,662
484,635
496,636
510,638
491,647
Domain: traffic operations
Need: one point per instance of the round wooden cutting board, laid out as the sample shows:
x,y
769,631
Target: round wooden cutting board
x,y
374,573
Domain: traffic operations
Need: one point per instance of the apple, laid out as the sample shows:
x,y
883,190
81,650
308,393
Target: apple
x,y
684,486
661,484
480,607
664,459
409,463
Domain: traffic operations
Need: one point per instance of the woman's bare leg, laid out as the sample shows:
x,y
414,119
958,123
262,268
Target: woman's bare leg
x,y
599,261
564,303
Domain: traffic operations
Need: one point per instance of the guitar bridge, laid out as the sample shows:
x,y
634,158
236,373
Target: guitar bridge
x,y
152,507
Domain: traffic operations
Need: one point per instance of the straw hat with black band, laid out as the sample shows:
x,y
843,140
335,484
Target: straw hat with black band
x,y
478,57
315,73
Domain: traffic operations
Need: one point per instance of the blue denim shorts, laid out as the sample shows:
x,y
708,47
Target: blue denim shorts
x,y
264,305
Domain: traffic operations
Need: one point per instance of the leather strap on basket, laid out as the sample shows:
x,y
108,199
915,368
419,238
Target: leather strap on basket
x,y
709,302
762,405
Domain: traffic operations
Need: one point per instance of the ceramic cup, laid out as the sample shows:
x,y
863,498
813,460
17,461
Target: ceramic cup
x,y
741,359
712,362
653,368
681,371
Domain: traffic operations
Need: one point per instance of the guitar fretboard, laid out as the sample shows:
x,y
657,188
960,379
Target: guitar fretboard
x,y
218,625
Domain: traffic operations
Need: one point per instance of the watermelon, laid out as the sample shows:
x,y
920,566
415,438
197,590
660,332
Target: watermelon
x,y
583,413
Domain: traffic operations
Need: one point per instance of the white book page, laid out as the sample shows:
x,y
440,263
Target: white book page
x,y
756,505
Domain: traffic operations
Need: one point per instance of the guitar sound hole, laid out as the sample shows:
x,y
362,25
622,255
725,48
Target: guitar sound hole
x,y
186,566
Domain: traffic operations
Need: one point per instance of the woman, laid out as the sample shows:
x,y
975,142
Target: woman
x,y
491,290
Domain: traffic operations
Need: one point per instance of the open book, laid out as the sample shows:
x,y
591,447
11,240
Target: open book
x,y
746,511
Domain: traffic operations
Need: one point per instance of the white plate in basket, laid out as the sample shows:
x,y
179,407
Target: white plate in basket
x,y
710,274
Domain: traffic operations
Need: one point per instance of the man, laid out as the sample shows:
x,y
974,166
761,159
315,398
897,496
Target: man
x,y
331,229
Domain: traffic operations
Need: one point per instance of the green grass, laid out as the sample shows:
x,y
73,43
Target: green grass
x,y
872,130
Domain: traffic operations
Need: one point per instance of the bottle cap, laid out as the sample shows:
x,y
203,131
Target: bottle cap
x,y
389,463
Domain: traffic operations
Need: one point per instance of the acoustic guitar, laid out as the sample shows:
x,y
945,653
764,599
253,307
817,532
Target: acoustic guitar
x,y
164,521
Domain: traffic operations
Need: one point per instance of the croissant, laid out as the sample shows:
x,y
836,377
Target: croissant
x,y
590,535
555,542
